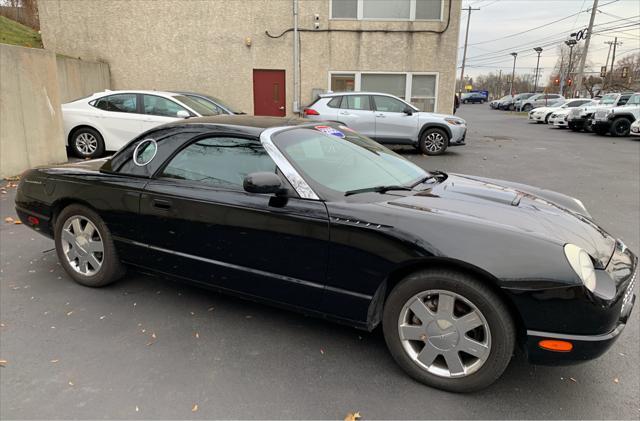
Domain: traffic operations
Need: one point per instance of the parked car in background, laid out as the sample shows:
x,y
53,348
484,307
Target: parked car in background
x,y
107,120
459,271
635,128
617,121
538,100
473,98
510,104
559,118
390,120
580,118
495,104
207,100
542,114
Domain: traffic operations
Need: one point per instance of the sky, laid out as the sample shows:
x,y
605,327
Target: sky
x,y
494,32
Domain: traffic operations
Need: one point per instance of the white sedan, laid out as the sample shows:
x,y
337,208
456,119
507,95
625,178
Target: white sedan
x,y
542,114
559,118
635,128
107,120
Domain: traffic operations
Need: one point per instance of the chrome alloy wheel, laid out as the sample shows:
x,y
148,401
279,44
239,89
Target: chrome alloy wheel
x,y
434,142
444,333
82,245
86,143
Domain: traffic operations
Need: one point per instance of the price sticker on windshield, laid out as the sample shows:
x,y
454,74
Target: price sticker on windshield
x,y
330,130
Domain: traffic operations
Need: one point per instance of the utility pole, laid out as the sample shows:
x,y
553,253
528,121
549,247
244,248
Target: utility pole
x,y
513,73
613,58
535,83
585,50
500,84
464,54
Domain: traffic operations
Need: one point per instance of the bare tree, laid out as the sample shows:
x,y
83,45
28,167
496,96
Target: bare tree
x,y
615,81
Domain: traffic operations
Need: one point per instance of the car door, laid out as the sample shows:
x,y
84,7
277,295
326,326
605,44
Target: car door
x,y
356,112
202,225
158,110
119,120
393,125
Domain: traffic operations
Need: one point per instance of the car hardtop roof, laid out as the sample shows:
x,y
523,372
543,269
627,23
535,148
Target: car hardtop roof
x,y
332,94
108,92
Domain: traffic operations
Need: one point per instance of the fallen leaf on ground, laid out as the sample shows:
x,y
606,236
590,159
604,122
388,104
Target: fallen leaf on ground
x,y
137,409
573,380
69,313
71,383
616,380
3,363
8,219
102,317
17,222
197,335
54,361
322,351
194,408
151,343
153,335
210,309
352,416
192,313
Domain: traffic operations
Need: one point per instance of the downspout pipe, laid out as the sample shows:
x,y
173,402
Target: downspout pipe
x,y
296,59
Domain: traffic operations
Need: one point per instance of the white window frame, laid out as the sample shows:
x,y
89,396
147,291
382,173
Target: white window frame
x,y
412,13
408,82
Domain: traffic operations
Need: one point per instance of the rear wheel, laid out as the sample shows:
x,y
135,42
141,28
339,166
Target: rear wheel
x,y
85,247
448,330
434,141
87,143
620,127
527,107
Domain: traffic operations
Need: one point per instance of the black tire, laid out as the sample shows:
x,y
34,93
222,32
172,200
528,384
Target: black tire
x,y
501,327
573,127
620,127
111,268
424,143
527,108
464,101
512,107
546,119
79,138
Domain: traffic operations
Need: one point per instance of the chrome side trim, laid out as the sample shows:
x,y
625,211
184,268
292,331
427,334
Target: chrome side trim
x,y
246,269
296,180
586,338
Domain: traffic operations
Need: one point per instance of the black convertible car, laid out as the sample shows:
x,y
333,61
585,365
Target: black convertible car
x,y
458,270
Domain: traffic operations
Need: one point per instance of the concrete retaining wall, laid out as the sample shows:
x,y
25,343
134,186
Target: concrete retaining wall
x,y
33,84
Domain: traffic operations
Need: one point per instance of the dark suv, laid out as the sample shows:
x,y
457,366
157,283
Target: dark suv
x,y
473,98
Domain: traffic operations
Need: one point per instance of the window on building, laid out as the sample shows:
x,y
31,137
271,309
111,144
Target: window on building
x,y
394,84
220,161
387,9
157,105
423,92
343,83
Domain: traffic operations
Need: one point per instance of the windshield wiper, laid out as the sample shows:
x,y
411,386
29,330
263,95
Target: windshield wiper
x,y
377,189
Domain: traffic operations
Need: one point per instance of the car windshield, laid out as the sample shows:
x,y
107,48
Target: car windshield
x,y
335,161
634,100
202,108
223,104
504,98
608,99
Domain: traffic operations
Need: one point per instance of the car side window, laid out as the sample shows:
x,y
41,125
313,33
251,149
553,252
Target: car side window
x,y
219,161
120,103
335,102
157,105
388,104
356,102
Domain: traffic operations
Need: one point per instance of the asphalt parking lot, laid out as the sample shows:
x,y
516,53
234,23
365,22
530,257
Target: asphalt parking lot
x,y
149,348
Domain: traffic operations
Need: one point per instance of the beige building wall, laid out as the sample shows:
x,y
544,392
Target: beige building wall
x,y
79,78
202,45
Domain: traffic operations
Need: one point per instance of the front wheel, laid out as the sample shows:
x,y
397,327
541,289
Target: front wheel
x,y
434,141
85,247
448,330
620,127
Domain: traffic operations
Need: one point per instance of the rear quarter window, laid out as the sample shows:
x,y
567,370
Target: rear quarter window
x,y
335,102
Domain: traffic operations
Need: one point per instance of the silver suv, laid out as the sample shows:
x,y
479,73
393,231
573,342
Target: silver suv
x,y
388,119
617,121
538,100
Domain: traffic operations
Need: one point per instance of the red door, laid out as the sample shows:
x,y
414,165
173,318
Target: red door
x,y
268,93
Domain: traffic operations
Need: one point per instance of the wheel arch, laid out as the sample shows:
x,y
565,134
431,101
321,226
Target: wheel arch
x,y
400,273
61,203
627,116
82,126
432,125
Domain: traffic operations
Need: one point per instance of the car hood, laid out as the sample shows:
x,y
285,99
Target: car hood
x,y
545,109
511,206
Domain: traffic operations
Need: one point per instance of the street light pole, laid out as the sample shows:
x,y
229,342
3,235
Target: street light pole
x,y
513,72
535,83
571,43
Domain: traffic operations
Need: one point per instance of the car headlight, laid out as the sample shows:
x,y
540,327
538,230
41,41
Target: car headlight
x,y
455,121
582,265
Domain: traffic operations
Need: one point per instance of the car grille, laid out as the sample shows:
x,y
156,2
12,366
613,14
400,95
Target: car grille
x,y
601,115
629,293
553,115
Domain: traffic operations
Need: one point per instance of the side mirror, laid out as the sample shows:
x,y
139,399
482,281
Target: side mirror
x,y
263,183
183,114
408,110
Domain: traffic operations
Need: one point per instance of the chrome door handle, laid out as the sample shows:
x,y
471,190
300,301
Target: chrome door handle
x,y
380,115
344,112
